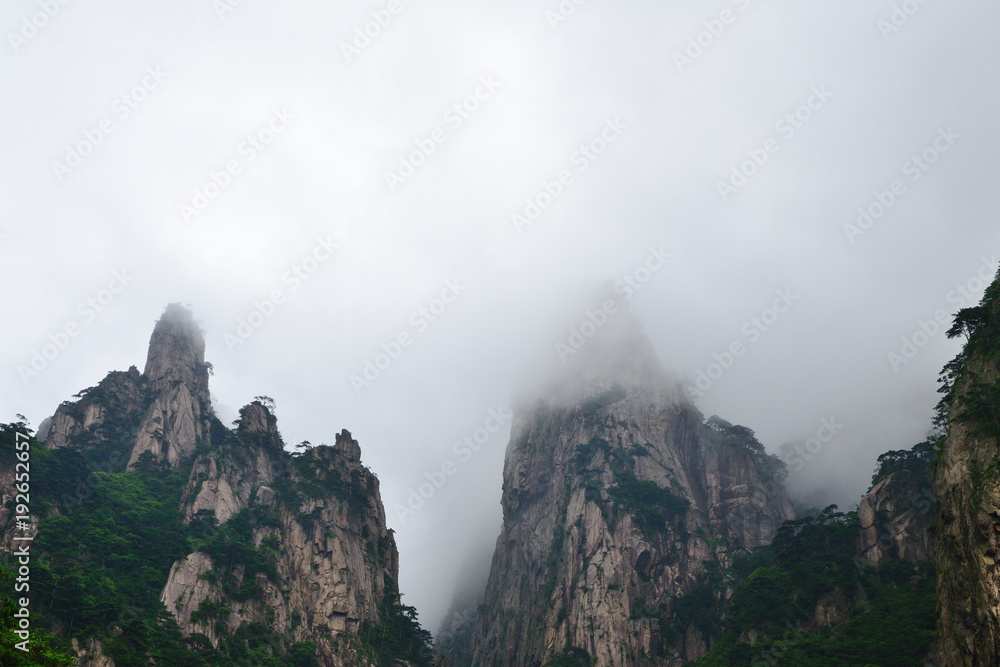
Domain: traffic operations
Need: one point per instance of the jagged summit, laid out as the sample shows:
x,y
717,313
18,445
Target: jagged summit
x,y
256,418
177,377
237,537
177,352
348,445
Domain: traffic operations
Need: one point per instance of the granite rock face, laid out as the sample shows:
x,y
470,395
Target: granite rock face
x,y
119,394
222,480
616,492
895,517
322,562
323,524
967,486
177,378
165,411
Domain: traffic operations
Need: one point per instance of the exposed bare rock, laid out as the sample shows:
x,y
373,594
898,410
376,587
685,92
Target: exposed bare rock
x,y
92,654
223,480
177,376
119,394
334,558
266,496
614,496
967,486
832,609
177,353
186,590
171,428
968,548
165,411
299,544
256,418
348,446
895,517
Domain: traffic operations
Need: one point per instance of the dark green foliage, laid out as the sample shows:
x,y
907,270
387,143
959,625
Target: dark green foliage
x,y
398,635
571,656
981,406
555,557
99,571
100,562
981,325
979,475
602,401
210,611
891,623
318,477
302,654
41,651
702,607
916,458
640,450
818,553
231,546
218,433
734,435
585,453
654,508
969,321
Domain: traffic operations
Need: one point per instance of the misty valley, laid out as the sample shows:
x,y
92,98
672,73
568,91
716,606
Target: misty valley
x,y
636,531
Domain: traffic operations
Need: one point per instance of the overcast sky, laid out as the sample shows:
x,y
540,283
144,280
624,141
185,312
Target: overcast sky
x,y
210,153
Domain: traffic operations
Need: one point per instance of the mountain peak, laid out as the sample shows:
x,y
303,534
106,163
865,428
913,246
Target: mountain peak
x,y
608,349
256,418
177,352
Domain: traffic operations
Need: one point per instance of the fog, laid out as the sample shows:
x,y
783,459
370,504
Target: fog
x,y
233,156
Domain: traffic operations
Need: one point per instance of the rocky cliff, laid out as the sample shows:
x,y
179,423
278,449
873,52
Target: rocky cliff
x,y
896,514
967,485
617,496
254,555
309,555
164,411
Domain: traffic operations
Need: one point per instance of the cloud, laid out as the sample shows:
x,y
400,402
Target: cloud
x,y
323,176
